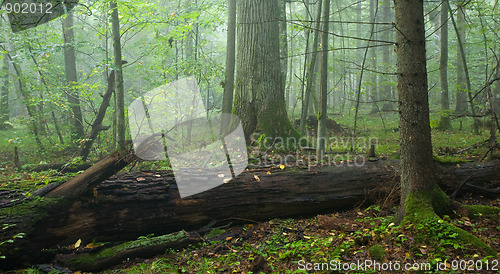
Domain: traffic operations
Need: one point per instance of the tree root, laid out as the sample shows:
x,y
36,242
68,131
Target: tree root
x,y
424,208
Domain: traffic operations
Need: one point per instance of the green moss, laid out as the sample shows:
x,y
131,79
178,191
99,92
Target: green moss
x,y
377,252
426,204
90,258
423,207
215,232
450,159
466,237
481,210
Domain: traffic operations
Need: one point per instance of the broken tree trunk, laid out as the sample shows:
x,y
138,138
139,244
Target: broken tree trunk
x,y
134,205
97,125
97,173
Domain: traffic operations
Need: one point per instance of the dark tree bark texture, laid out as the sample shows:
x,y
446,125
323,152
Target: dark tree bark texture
x,y
415,131
259,99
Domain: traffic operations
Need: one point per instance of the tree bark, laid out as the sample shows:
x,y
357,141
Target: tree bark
x,y
462,59
259,98
4,93
323,99
496,92
119,91
373,85
415,131
227,103
386,93
444,122
79,185
283,48
461,104
77,130
311,76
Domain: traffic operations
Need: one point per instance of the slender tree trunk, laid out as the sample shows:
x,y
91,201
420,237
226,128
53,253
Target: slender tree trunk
x,y
386,51
284,48
373,58
25,98
290,72
4,92
77,131
259,98
307,33
461,105
359,52
311,76
444,122
323,99
227,103
496,92
463,61
415,133
119,91
97,125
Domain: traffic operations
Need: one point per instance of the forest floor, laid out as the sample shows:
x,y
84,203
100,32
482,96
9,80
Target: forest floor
x,y
365,238
361,240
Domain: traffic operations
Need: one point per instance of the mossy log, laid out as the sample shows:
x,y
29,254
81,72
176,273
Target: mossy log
x,y
142,248
132,205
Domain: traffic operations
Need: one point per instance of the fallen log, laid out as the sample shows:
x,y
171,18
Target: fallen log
x,y
94,175
133,205
142,248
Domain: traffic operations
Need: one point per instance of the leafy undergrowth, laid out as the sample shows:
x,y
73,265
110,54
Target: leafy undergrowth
x,y
359,240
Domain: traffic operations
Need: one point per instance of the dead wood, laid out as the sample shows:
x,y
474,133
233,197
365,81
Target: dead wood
x,y
97,173
97,125
142,248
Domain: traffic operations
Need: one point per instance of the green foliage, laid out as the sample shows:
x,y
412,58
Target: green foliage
x,y
19,235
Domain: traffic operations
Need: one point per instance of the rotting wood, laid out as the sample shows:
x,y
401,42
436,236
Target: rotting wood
x,y
141,248
97,173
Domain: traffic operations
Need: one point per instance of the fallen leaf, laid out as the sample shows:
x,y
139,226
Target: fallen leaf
x,y
92,245
140,179
78,243
228,238
422,250
269,172
257,178
282,166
